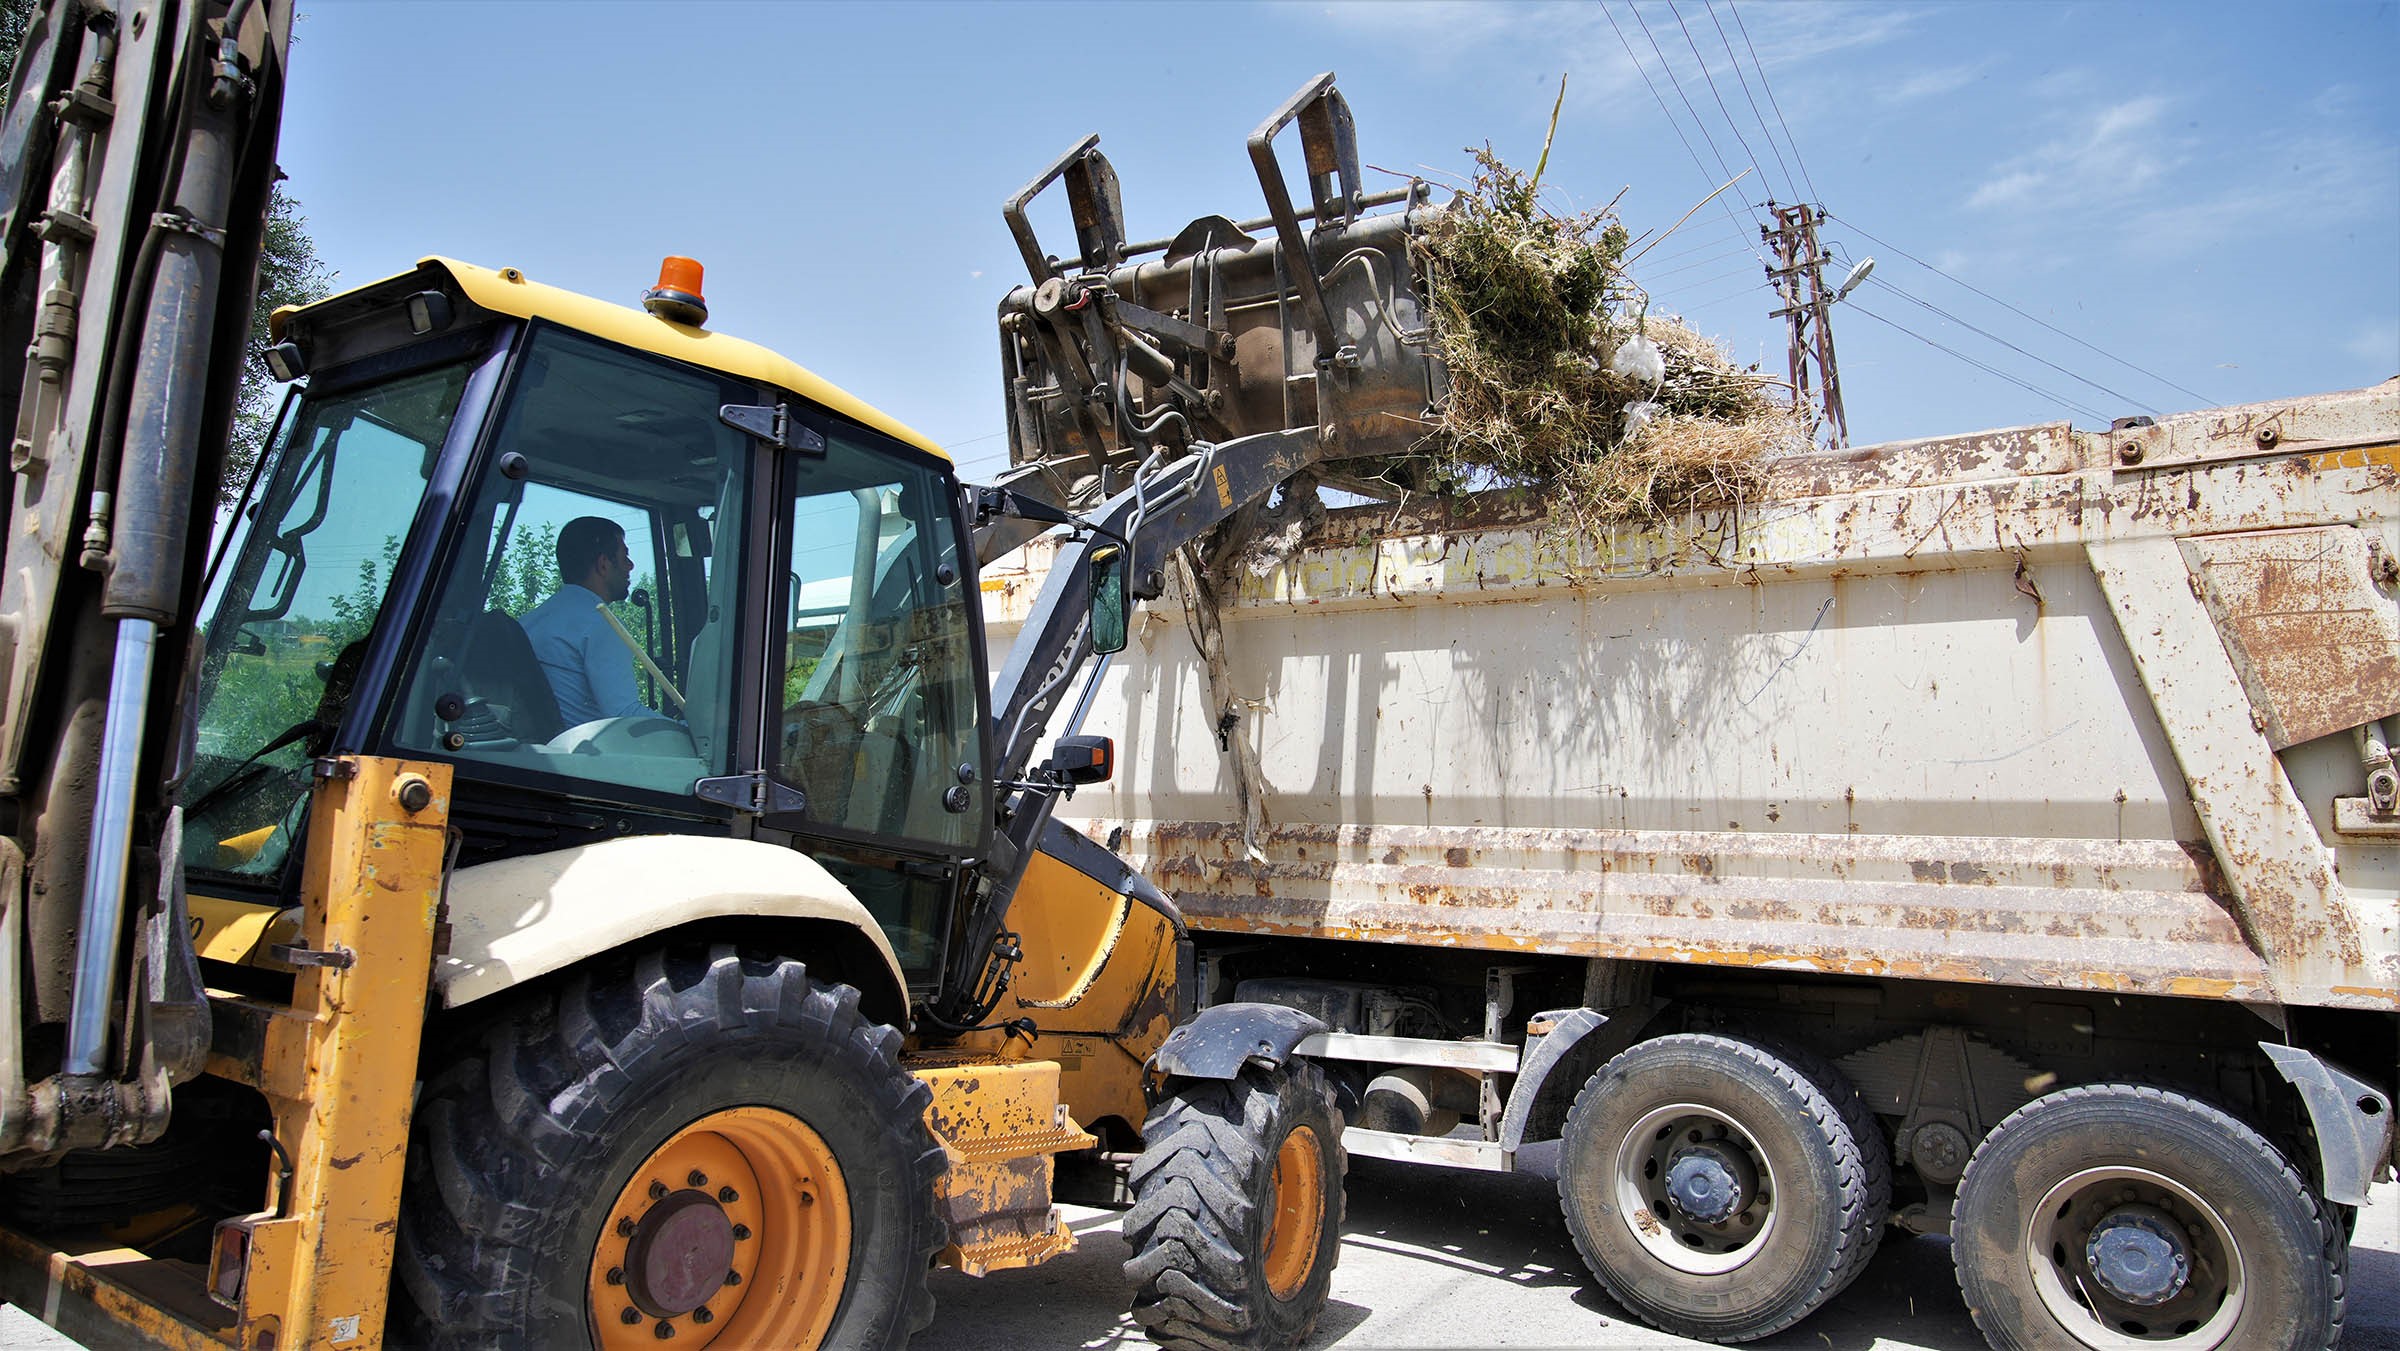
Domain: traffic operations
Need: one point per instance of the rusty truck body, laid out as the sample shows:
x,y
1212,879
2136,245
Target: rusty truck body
x,y
2017,792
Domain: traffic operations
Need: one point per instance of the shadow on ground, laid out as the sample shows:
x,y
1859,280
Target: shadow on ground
x,y
1496,1245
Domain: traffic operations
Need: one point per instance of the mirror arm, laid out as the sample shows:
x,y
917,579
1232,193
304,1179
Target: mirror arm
x,y
992,502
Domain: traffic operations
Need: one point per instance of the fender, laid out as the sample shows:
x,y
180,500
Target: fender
x,y
1225,1037
2353,1121
519,918
1567,1030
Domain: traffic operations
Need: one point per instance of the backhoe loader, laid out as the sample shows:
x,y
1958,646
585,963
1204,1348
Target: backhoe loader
x,y
363,985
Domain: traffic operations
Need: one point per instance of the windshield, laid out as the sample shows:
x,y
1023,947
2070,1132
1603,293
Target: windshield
x,y
286,618
587,628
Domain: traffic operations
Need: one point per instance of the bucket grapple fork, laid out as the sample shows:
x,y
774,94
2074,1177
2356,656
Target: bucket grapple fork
x,y
1221,332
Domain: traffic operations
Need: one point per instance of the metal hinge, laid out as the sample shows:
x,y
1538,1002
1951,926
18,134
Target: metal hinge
x,y
337,957
772,423
751,793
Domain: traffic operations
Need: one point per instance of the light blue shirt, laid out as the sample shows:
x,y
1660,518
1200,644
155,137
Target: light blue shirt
x,y
589,666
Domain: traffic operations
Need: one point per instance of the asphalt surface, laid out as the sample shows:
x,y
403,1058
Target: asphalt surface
x,y
1437,1258
1433,1258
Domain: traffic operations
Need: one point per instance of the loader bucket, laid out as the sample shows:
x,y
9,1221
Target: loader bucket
x,y
1306,317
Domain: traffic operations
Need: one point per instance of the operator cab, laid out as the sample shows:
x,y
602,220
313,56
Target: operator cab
x,y
789,656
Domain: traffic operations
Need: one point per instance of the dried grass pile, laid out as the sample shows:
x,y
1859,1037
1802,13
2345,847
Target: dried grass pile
x,y
1559,379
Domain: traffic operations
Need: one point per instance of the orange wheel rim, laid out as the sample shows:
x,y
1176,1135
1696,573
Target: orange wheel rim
x,y
751,1189
1298,1222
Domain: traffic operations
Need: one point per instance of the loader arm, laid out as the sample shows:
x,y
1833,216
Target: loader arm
x,y
136,167
1164,511
1165,388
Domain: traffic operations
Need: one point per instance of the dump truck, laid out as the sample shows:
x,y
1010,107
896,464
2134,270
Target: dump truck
x,y
1991,835
415,928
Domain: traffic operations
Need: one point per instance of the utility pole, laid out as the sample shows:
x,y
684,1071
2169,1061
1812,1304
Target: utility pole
x,y
1799,277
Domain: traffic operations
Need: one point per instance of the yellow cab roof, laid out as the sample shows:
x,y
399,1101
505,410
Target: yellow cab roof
x,y
508,291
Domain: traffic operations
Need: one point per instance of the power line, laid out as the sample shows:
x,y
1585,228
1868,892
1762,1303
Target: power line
x,y
1981,366
1701,243
1695,306
1754,284
1761,66
1686,100
1686,267
1714,92
1711,281
1667,113
1736,63
2203,398
1934,309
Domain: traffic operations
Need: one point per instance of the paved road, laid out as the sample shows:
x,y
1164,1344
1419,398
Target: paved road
x,y
1433,1258
1439,1259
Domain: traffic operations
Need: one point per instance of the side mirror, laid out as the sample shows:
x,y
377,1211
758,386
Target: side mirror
x,y
1112,608
1084,759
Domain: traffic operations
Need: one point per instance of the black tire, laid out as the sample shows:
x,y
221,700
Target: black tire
x,y
2063,1165
527,1141
1216,1271
1812,1184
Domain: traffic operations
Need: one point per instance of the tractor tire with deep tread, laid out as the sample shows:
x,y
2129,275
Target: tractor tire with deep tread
x,y
532,1146
1237,1213
2264,1260
1808,1167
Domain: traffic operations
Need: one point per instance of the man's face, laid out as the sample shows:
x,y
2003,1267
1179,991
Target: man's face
x,y
615,572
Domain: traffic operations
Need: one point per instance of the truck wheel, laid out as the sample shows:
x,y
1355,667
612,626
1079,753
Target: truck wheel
x,y
703,1144
1716,1190
1237,1212
2118,1216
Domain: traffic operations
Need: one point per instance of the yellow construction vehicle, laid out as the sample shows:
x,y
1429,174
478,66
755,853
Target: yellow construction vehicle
x,y
411,920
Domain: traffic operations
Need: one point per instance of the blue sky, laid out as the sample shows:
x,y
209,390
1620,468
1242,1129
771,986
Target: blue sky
x,y
2209,192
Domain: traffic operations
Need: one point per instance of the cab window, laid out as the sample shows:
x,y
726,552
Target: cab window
x,y
584,625
875,709
877,706
286,619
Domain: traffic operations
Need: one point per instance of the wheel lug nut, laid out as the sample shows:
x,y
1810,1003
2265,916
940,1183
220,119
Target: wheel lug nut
x,y
733,1278
696,1178
616,1275
624,1227
658,1191
664,1330
702,1315
728,1195
630,1317
740,1232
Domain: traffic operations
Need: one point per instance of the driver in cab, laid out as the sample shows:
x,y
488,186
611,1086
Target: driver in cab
x,y
587,664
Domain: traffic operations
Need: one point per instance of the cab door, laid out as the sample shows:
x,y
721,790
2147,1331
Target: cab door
x,y
874,722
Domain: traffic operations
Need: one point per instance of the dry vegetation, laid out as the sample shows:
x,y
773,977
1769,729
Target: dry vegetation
x,y
1533,315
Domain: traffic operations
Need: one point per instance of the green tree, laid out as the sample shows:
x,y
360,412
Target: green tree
x,y
14,16
289,273
528,570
